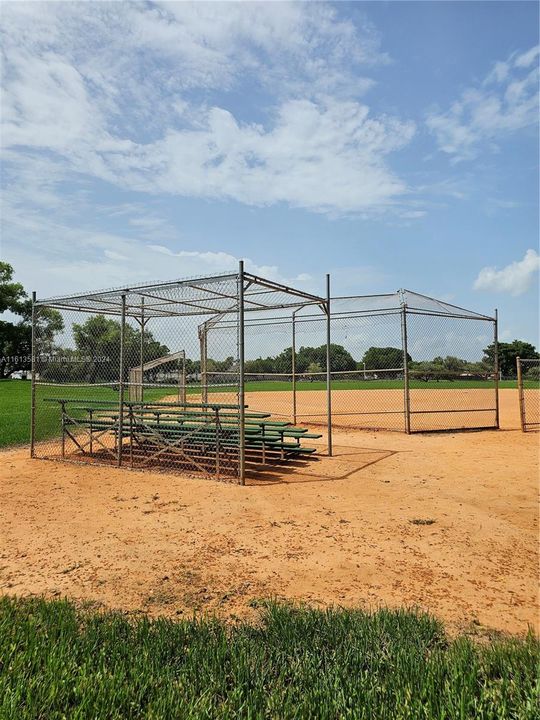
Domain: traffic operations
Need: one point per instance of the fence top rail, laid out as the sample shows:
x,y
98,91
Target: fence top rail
x,y
445,308
454,316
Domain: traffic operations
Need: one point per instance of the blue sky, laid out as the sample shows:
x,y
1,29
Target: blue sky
x,y
392,144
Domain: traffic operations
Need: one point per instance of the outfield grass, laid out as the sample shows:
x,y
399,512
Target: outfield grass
x,y
14,412
59,662
15,398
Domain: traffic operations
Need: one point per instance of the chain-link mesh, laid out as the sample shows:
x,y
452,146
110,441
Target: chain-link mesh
x,y
528,376
371,396
452,381
445,381
122,385
73,370
151,377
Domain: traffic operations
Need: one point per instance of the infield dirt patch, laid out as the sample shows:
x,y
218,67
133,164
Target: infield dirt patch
x,y
446,522
384,409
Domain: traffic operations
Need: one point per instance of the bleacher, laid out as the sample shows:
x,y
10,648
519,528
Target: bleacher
x,y
203,437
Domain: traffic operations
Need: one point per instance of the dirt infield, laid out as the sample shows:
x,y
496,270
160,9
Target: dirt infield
x,y
446,522
352,409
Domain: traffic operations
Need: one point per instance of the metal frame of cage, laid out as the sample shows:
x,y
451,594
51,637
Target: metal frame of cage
x,y
255,303
405,308
198,297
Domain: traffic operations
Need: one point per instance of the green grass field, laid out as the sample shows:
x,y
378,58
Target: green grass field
x,y
15,398
60,662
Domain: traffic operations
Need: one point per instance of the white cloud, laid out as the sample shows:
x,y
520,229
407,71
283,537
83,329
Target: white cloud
x,y
113,255
326,156
515,278
121,93
527,58
507,101
216,262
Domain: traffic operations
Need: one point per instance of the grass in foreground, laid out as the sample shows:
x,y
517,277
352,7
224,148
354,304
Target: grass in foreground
x,y
60,662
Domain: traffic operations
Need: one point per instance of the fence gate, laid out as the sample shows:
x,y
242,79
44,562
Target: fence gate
x,y
528,377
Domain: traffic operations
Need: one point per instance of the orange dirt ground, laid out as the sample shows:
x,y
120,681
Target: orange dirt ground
x,y
334,531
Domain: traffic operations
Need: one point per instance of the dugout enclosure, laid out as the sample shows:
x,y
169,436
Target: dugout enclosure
x,y
111,382
215,375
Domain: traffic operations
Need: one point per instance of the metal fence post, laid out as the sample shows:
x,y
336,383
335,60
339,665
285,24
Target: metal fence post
x,y
139,394
33,378
293,364
406,386
121,382
241,388
520,394
203,335
183,390
496,365
328,368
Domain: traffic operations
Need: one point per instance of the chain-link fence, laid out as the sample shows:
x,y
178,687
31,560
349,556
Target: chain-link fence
x,y
213,374
528,379
400,361
456,388
133,377
117,380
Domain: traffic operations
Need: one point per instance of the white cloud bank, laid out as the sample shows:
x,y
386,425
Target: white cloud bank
x,y
137,95
505,102
515,278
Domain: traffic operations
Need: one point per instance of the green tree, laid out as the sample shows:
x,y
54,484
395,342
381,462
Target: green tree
x,y
282,363
193,367
96,356
508,352
12,294
454,364
533,373
220,365
260,365
16,337
340,359
380,358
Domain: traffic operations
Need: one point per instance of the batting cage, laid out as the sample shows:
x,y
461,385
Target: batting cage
x,y
130,377
399,361
217,376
